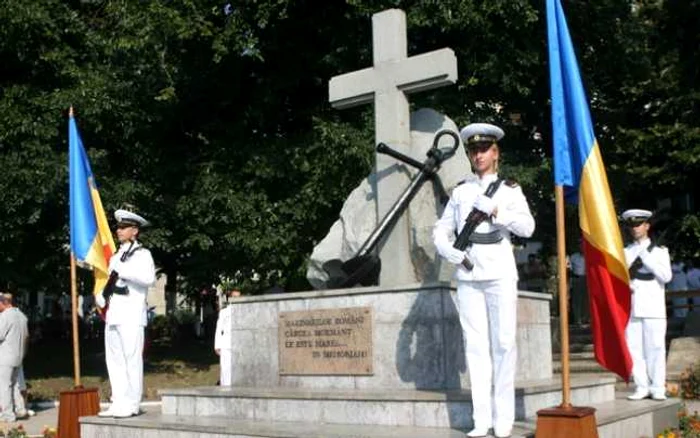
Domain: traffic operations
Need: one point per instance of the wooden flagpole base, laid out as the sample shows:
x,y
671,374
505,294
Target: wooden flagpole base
x,y
569,422
79,402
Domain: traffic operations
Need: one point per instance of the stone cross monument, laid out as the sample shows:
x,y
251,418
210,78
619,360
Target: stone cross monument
x,y
387,84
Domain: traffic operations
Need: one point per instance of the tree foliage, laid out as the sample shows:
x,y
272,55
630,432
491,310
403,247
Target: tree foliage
x,y
212,117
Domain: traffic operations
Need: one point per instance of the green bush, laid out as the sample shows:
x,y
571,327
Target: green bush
x,y
15,432
162,327
690,383
183,322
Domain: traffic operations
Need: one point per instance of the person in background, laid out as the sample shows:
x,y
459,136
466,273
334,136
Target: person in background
x,y
14,340
222,340
678,283
579,291
21,380
692,269
650,269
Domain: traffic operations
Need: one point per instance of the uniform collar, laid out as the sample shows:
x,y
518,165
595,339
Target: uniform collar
x,y
643,242
487,179
124,246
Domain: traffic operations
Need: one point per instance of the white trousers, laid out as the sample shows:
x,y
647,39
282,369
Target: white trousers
x,y
225,364
11,401
124,357
646,340
487,313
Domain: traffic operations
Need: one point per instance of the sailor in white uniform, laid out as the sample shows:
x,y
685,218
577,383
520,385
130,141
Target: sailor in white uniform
x,y
487,291
222,342
650,270
126,316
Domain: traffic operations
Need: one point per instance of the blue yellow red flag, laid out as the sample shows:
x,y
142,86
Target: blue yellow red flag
x,y
579,168
91,241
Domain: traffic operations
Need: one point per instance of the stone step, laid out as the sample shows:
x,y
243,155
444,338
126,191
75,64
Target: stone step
x,y
578,348
156,425
580,366
417,408
622,418
617,418
576,355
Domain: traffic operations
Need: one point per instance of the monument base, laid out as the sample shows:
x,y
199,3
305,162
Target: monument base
x,y
396,407
418,385
74,404
619,418
571,422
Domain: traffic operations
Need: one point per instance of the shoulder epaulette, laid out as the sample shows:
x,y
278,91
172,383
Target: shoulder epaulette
x,y
461,182
511,183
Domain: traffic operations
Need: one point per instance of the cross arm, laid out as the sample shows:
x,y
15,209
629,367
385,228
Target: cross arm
x,y
410,75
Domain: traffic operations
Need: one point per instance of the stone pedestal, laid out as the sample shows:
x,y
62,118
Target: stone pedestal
x,y
418,342
418,386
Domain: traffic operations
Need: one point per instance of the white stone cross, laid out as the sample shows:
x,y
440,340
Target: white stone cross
x,y
387,83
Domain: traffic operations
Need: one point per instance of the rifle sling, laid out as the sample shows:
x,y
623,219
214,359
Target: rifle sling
x,y
464,238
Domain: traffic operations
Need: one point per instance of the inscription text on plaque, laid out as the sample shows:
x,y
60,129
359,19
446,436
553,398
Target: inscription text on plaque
x,y
326,341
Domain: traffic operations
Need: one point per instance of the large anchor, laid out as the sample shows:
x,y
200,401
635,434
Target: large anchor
x,y
364,268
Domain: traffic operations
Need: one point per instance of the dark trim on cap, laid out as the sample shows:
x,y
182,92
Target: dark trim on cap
x,y
481,138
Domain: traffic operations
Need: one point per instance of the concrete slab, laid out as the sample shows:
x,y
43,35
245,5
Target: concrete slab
x,y
156,426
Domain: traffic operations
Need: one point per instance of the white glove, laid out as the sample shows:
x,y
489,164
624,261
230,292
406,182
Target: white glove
x,y
100,301
485,204
455,256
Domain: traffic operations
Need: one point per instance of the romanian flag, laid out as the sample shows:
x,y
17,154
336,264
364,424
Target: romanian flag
x,y
90,238
578,167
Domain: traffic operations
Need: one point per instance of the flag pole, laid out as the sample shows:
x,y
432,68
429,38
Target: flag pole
x,y
74,316
79,401
565,419
74,309
563,296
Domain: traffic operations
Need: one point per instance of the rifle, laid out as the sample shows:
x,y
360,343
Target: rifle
x,y
111,285
472,221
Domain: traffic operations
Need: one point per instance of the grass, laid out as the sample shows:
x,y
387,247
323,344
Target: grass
x,y
168,364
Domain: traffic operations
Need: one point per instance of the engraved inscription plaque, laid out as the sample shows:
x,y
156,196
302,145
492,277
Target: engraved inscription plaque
x,y
326,342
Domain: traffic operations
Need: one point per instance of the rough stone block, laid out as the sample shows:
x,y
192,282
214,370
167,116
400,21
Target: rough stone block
x,y
683,353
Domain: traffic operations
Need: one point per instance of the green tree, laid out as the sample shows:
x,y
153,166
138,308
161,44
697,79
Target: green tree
x,y
211,117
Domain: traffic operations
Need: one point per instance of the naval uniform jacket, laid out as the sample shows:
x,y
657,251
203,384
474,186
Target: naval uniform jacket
x,y
137,273
14,337
648,296
491,261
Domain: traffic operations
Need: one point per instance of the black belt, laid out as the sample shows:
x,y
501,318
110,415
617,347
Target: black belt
x,y
645,276
121,290
486,238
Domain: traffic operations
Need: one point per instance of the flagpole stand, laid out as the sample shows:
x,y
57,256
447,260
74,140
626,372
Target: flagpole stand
x,y
570,422
78,402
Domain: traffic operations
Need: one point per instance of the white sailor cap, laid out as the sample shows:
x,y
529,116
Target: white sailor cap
x,y
636,215
127,217
481,133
